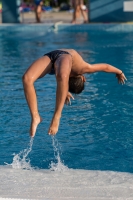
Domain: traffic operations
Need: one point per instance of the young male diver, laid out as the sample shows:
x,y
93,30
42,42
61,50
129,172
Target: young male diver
x,y
69,69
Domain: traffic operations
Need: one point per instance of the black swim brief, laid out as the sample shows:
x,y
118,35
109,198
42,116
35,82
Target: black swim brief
x,y
54,55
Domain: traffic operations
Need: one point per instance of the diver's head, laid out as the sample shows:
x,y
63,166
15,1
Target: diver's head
x,y
76,84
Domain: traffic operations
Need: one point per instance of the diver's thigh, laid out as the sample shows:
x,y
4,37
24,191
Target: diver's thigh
x,y
63,65
39,67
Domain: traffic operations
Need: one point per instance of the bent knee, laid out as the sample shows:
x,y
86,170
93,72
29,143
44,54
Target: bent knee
x,y
27,79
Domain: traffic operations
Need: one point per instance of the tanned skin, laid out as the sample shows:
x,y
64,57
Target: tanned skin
x,y
65,66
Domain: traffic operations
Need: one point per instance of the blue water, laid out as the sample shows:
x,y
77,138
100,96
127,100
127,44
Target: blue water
x,y
96,131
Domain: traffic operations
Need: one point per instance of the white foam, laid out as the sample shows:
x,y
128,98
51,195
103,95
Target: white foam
x,y
21,160
58,165
70,184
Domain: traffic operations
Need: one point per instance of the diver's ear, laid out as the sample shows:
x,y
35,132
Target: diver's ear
x,y
84,79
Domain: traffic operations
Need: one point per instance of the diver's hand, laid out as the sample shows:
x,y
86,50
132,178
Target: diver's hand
x,y
68,98
121,78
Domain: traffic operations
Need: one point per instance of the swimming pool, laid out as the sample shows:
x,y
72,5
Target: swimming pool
x,y
96,130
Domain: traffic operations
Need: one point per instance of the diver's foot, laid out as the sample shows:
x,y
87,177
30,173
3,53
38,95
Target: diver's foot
x,y
34,125
54,126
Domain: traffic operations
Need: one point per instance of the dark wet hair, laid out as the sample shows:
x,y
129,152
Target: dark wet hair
x,y
76,84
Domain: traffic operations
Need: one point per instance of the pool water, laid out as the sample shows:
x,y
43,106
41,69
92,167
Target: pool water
x,y
96,131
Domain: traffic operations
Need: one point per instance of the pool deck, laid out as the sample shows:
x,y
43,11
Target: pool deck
x,y
51,17
47,17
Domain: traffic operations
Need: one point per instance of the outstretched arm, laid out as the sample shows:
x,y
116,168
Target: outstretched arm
x,y
107,68
37,69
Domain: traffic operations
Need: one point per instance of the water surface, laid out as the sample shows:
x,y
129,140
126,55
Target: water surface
x,y
96,130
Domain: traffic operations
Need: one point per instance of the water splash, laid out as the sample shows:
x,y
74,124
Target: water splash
x,y
21,160
59,165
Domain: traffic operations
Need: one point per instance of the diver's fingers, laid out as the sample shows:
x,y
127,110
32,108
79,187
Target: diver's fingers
x,y
125,78
70,95
69,100
66,101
